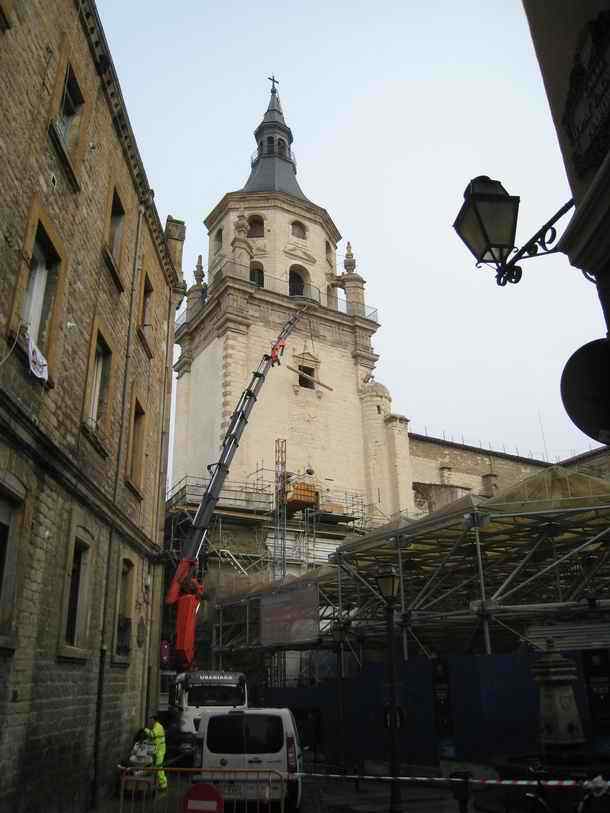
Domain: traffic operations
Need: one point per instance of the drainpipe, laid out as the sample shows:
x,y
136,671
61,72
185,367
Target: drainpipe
x,y
99,704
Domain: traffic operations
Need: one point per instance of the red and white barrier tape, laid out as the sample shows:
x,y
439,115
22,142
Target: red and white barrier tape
x,y
547,783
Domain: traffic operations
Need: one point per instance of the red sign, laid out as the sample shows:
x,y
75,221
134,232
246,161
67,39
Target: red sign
x,y
203,797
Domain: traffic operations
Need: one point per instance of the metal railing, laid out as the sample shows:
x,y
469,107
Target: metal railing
x,y
261,790
357,309
245,496
278,285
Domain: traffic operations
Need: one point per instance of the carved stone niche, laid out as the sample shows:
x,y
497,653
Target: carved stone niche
x,y
292,249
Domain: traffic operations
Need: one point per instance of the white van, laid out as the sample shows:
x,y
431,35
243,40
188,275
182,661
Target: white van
x,y
254,740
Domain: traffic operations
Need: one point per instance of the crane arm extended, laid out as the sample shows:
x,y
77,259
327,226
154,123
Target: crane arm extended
x,y
185,589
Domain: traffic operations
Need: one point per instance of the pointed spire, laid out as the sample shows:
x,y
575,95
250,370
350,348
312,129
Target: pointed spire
x,y
349,263
273,165
199,271
274,110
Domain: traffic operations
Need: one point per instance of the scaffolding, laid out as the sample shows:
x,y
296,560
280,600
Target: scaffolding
x,y
481,575
281,543
278,561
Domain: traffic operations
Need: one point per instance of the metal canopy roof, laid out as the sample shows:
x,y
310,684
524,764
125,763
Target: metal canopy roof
x,y
474,575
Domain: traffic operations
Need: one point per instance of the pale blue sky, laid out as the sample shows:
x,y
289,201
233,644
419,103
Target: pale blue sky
x,y
394,107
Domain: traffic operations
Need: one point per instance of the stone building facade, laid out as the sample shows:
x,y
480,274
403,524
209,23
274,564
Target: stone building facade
x,y
572,51
89,284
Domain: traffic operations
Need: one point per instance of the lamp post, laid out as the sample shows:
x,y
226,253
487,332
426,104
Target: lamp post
x,y
388,583
338,633
487,223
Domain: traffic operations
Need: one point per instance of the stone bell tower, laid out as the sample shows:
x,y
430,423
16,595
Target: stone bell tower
x,y
272,251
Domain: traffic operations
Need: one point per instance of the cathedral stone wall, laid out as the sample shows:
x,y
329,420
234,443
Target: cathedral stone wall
x,y
199,412
279,248
461,469
323,429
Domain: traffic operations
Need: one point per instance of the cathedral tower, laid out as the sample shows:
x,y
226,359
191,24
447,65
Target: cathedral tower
x,y
272,250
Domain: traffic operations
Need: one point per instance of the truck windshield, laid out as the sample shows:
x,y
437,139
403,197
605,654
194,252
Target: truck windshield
x,y
216,695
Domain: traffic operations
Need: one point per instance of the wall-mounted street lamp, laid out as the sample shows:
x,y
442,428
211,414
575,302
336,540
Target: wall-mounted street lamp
x,y
487,223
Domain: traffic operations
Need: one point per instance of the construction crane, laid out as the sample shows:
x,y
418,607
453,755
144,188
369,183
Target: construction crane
x,y
185,589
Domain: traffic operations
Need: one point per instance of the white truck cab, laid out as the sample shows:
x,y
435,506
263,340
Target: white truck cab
x,y
193,692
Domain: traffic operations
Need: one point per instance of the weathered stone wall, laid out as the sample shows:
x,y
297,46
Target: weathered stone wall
x,y
595,463
324,429
67,712
458,469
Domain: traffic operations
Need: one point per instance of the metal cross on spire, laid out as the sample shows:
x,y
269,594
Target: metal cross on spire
x,y
273,81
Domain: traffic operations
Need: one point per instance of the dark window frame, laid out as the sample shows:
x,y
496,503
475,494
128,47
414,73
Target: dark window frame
x,y
305,382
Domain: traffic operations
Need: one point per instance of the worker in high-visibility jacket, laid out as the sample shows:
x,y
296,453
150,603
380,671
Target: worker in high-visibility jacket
x,y
156,733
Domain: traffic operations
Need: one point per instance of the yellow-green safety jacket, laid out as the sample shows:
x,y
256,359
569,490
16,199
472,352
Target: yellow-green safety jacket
x,y
157,735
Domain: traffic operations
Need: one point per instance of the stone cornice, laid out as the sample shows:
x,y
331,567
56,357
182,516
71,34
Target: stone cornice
x,y
98,45
395,419
24,434
267,200
325,316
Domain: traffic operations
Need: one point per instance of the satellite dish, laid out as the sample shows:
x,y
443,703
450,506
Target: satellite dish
x,y
585,389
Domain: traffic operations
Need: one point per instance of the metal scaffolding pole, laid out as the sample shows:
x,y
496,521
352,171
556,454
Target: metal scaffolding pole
x,y
278,562
477,540
405,642
519,567
340,674
557,562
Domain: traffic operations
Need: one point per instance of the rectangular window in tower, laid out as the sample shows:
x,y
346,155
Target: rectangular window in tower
x,y
117,219
68,120
124,620
305,381
100,384
135,469
76,615
37,307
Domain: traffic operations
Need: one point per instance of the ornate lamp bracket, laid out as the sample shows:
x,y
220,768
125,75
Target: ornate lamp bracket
x,y
537,246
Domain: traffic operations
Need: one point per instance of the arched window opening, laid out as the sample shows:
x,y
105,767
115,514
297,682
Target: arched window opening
x,y
296,282
329,252
257,274
298,230
270,145
256,226
218,240
281,147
